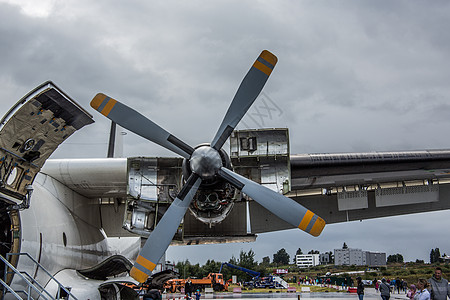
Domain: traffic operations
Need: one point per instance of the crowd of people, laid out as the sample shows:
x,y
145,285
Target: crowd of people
x,y
435,288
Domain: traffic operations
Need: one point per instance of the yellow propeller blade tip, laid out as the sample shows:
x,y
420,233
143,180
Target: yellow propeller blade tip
x,y
269,57
97,100
318,226
138,275
103,101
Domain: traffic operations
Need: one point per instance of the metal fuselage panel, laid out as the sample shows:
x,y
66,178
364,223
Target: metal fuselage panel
x,y
61,230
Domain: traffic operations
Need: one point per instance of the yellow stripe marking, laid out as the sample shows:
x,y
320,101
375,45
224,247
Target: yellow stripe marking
x,y
262,67
145,263
269,57
318,226
138,275
107,109
306,219
97,100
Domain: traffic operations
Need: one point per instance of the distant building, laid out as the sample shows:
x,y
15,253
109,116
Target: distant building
x,y
307,260
324,258
375,259
358,257
348,257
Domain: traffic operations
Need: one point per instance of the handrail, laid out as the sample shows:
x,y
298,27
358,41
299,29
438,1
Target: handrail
x,y
39,286
60,285
30,285
10,289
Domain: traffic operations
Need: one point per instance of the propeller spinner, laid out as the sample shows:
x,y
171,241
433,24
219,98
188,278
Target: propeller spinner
x,y
206,163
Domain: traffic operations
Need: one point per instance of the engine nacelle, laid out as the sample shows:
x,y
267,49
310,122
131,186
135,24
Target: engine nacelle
x,y
215,197
153,183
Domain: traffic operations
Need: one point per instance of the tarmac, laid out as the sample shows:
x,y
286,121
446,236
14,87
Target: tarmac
x,y
369,294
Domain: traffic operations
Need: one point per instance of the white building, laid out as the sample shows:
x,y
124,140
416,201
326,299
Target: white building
x,y
307,260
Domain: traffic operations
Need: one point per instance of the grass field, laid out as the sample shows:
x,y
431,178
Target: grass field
x,y
410,272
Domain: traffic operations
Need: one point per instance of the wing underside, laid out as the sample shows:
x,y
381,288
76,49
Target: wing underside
x,y
356,186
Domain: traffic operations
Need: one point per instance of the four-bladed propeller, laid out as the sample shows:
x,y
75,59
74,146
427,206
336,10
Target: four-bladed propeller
x,y
206,163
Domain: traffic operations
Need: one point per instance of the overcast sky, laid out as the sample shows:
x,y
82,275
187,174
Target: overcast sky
x,y
352,76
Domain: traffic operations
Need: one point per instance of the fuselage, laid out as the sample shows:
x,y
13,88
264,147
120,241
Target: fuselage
x,y
61,230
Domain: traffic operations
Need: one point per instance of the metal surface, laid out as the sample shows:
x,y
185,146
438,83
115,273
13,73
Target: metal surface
x,y
153,183
205,162
161,236
307,165
327,206
41,291
287,209
97,177
31,131
406,195
352,200
263,156
61,230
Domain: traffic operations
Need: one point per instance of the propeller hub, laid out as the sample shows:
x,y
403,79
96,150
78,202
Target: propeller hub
x,y
205,162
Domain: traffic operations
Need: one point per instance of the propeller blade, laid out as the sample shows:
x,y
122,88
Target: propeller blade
x,y
137,123
282,206
248,91
159,240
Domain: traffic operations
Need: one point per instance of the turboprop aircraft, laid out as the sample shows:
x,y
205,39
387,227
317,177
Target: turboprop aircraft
x,y
64,212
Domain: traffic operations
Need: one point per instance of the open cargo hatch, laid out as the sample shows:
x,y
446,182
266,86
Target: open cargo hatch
x,y
30,132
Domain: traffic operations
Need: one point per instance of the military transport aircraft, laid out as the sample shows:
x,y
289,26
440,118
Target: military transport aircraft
x,y
63,212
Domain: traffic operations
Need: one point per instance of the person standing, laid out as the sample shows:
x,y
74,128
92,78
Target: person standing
x,y
398,284
422,292
197,295
359,288
385,290
188,287
439,289
411,292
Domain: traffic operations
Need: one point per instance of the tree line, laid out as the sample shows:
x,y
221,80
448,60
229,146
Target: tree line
x,y
245,260
435,257
280,258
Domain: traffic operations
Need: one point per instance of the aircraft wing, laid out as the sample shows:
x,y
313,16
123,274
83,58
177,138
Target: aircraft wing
x,y
339,187
356,186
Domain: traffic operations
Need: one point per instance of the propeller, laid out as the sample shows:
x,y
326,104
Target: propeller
x,y
248,91
206,163
160,238
282,206
132,120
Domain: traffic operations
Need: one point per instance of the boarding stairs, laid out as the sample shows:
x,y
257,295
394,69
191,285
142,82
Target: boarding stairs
x,y
32,286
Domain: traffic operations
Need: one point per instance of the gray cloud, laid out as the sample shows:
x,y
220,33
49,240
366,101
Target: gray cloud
x,y
352,76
